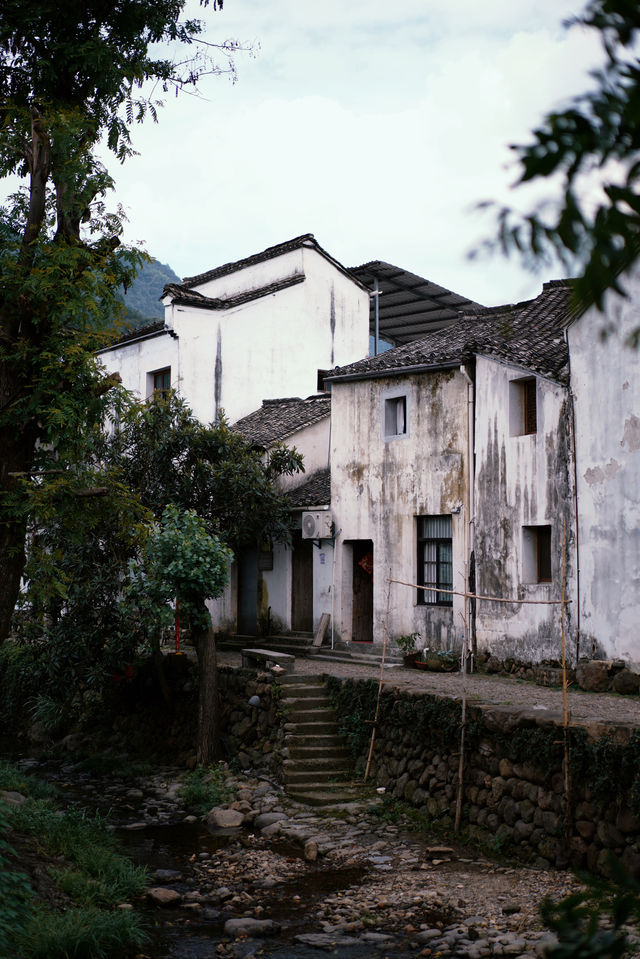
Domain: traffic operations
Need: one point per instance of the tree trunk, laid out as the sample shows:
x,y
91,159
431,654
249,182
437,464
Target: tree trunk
x,y
17,457
208,744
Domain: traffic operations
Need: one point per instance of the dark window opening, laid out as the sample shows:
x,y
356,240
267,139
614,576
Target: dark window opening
x,y
322,386
395,416
529,406
536,554
435,560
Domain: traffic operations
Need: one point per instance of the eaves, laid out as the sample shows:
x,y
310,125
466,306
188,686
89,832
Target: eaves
x,y
395,371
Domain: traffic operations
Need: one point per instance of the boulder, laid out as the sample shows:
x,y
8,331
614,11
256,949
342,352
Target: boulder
x,y
224,818
161,896
626,683
249,926
594,675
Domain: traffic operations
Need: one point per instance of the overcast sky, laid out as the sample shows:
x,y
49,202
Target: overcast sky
x,y
374,125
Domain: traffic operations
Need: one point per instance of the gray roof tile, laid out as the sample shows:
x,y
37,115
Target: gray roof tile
x,y
315,491
528,334
276,420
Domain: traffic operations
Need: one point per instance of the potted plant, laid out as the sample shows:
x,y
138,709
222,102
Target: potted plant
x,y
407,646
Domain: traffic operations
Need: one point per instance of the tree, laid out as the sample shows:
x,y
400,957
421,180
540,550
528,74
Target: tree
x,y
594,233
164,454
71,76
181,560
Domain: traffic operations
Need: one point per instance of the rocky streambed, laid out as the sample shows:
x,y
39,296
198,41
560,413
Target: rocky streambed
x,y
261,875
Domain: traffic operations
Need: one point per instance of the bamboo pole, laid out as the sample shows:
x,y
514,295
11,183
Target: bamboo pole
x,y
565,711
384,653
490,599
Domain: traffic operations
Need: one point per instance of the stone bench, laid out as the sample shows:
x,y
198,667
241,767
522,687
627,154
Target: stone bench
x,y
253,658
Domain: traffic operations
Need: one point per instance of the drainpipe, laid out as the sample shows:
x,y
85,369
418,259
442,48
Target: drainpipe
x,y
470,519
575,496
376,310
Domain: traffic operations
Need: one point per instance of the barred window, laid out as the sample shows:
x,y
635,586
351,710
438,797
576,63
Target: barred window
x,y
435,560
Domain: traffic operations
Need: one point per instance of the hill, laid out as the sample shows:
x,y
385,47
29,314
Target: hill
x,y
142,299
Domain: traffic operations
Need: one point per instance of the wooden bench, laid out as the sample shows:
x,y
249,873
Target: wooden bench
x,y
253,658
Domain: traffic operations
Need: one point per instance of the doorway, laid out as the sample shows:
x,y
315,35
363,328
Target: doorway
x,y
302,584
362,609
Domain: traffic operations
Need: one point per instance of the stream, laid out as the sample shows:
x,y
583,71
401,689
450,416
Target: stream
x,y
293,882
182,853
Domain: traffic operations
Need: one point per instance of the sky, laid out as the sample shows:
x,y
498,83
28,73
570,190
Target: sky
x,y
376,126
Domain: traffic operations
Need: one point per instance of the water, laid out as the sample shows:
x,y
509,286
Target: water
x,y
182,847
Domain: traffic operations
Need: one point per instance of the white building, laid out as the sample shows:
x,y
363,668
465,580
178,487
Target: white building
x,y
260,328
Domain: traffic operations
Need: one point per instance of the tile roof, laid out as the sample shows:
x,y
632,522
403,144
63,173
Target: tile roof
x,y
151,329
304,240
276,420
315,491
183,295
528,334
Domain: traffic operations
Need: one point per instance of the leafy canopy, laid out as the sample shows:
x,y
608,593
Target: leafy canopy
x,y
592,231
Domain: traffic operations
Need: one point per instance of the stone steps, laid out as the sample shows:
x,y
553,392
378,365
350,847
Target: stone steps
x,y
317,764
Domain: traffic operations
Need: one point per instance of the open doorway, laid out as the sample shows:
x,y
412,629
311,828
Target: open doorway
x,y
362,608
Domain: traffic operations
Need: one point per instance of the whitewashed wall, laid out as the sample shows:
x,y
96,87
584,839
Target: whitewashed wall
x,y
521,480
605,379
379,487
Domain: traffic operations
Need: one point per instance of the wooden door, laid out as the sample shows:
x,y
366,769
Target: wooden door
x,y
302,585
248,592
362,618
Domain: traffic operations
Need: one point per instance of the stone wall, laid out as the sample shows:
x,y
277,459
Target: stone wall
x,y
250,719
514,794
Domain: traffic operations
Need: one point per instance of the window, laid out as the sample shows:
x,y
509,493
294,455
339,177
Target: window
x,y
435,560
536,554
322,386
160,383
523,408
395,416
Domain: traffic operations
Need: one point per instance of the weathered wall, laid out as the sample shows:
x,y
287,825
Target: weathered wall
x,y
135,360
269,347
379,487
521,480
605,380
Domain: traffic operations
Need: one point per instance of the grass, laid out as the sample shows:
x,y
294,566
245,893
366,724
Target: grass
x,y
204,788
80,880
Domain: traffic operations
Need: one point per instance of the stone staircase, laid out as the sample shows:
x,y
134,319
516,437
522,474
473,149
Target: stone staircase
x,y
317,764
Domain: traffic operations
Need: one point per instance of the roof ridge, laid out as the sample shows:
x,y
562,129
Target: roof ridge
x,y
267,254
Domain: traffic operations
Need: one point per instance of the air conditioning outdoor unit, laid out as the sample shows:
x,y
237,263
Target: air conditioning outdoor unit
x,y
317,525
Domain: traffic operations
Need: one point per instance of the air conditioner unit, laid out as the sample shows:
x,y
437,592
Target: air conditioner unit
x,y
317,525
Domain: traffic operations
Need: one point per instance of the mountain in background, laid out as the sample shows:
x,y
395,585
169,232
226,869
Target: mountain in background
x,y
142,299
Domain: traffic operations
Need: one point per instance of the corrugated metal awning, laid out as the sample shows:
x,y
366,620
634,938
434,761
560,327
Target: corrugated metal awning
x,y
409,305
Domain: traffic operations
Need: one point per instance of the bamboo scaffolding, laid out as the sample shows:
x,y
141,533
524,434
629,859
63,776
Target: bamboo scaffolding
x,y
384,653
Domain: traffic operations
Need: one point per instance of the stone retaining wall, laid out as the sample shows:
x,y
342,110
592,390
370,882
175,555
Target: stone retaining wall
x,y
514,785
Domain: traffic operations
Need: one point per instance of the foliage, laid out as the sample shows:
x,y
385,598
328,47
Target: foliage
x,y
407,643
595,231
204,788
71,78
84,933
590,924
15,894
164,454
91,878
179,559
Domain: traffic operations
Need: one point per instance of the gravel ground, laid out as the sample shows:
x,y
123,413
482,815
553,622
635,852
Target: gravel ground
x,y
480,689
